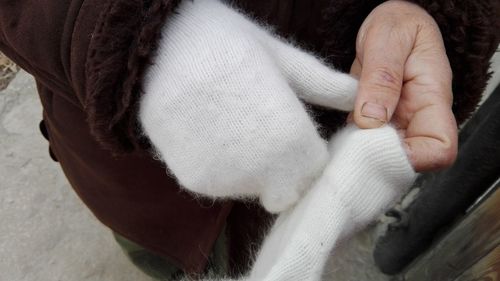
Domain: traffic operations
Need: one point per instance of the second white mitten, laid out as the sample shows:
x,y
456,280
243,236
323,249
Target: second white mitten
x,y
367,172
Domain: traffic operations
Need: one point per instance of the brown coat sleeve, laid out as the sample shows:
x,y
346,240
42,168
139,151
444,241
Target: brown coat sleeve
x,y
96,49
36,34
470,30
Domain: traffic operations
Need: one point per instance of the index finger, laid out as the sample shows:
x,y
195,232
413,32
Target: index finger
x,y
425,108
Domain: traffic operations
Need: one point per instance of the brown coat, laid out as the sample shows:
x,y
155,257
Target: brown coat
x,y
89,56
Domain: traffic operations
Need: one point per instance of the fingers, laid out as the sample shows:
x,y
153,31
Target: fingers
x,y
430,154
431,137
405,78
425,108
312,80
382,53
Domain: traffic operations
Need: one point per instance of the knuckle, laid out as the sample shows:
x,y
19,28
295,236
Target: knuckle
x,y
440,95
448,97
446,157
446,66
451,156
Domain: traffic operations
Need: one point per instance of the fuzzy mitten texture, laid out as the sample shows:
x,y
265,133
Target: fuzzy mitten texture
x,y
222,106
367,172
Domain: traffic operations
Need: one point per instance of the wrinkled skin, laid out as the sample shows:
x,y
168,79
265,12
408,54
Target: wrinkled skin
x,y
405,79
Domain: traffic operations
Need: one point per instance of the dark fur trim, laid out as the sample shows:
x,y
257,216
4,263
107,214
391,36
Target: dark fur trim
x,y
119,52
341,22
470,32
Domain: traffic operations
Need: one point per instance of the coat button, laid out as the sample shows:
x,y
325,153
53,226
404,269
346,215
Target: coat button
x,y
45,134
52,155
43,129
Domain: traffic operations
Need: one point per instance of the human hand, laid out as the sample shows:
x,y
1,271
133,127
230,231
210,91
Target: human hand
x,y
405,78
222,108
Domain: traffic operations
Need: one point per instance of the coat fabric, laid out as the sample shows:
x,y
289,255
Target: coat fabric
x,y
89,58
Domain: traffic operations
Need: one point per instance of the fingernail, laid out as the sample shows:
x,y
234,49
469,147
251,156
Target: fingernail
x,y
374,111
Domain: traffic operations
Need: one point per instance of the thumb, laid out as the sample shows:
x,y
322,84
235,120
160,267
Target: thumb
x,y
382,57
312,80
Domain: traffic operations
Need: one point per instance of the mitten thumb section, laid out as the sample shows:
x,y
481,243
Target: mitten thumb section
x,y
312,80
369,169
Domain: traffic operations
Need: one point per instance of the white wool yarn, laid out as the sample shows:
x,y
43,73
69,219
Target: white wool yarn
x,y
222,108
368,170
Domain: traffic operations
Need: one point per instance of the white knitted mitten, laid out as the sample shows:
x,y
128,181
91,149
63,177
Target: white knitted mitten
x,y
367,172
222,108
